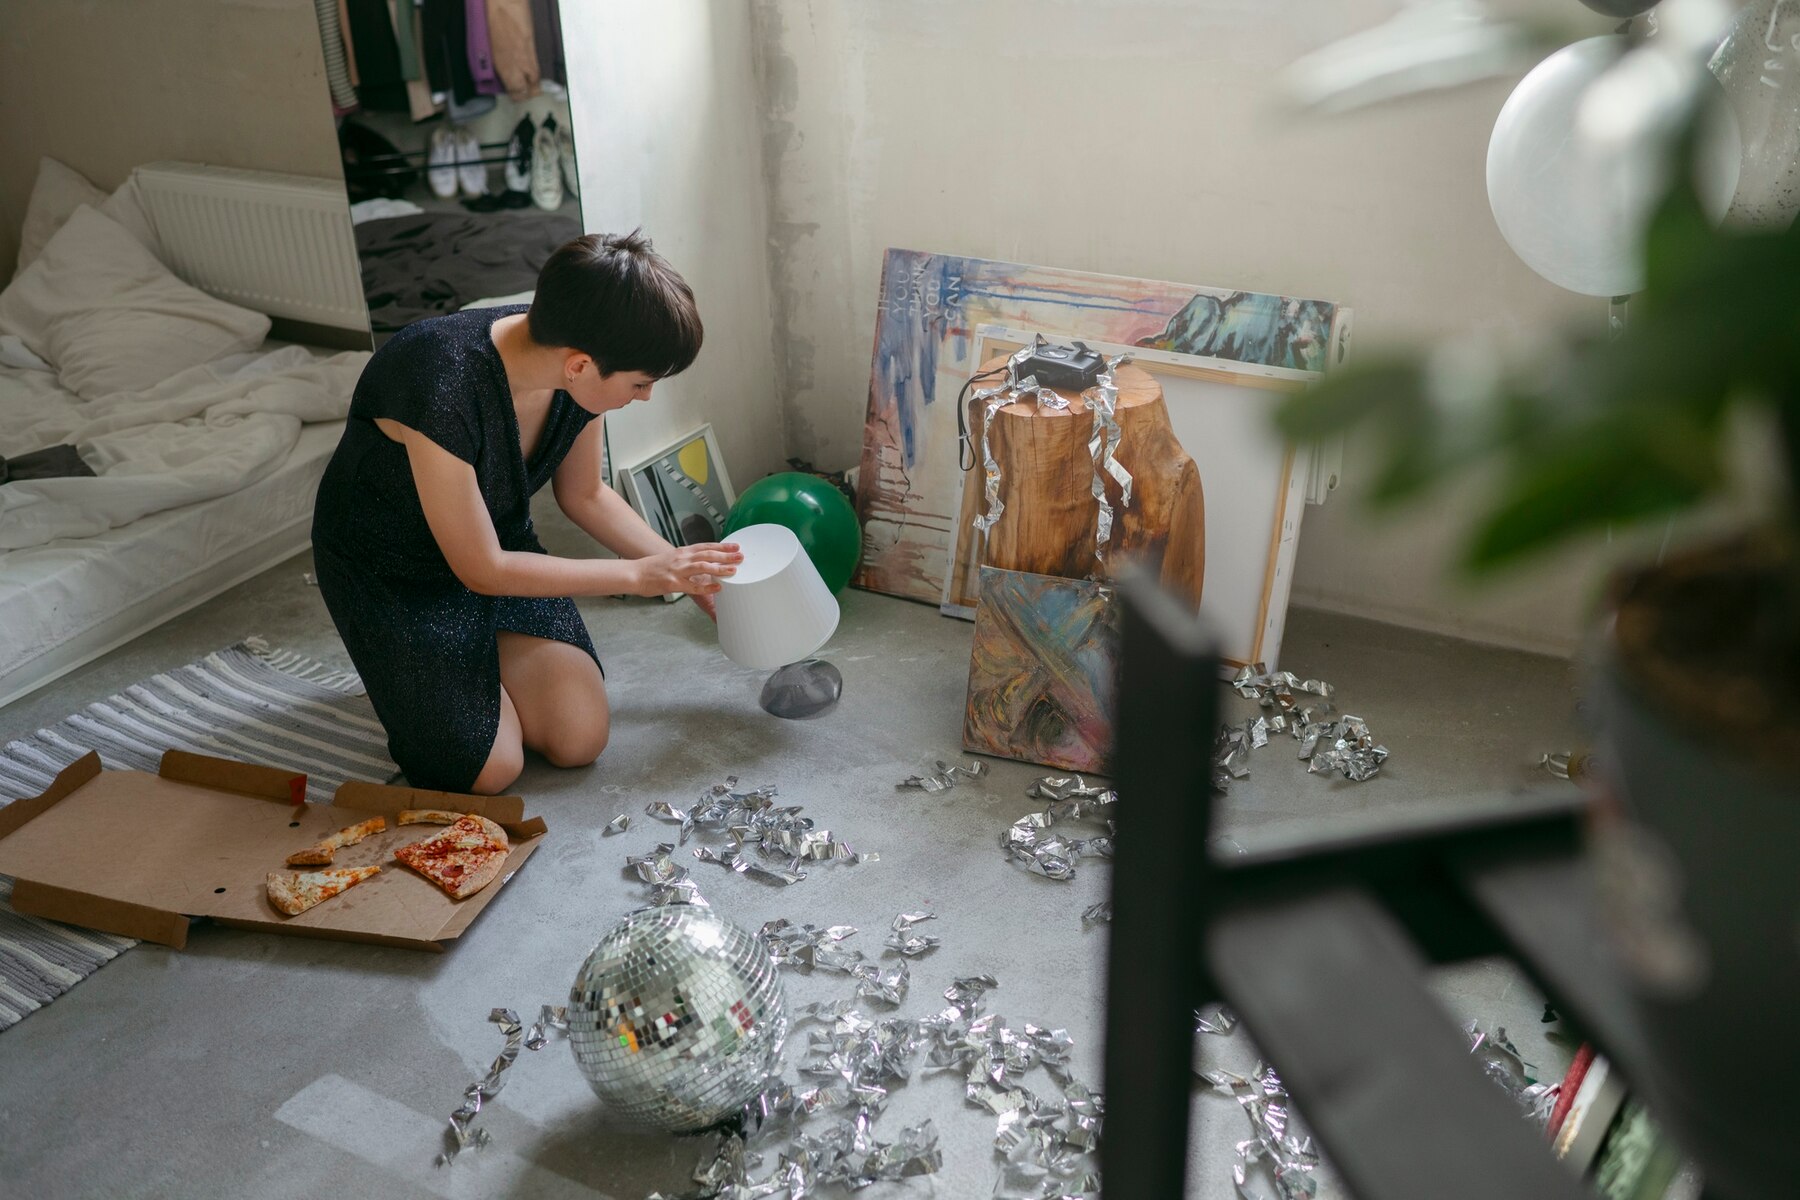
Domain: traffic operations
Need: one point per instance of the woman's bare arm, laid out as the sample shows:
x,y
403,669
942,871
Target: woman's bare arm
x,y
582,494
459,521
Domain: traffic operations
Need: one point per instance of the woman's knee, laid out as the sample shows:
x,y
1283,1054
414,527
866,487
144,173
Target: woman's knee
x,y
505,763
576,742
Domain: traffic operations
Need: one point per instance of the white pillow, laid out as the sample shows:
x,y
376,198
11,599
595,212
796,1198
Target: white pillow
x,y
110,318
58,192
126,207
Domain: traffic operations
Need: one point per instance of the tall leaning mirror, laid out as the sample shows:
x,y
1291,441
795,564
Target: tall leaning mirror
x,y
457,148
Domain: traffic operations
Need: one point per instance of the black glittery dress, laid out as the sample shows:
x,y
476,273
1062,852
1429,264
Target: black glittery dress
x,y
424,643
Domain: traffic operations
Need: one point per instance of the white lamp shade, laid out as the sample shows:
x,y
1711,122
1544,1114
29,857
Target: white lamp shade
x,y
776,610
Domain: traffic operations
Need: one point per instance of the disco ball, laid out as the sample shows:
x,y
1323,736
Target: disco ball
x,y
677,1017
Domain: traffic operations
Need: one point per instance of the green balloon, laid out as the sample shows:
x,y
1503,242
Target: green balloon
x,y
817,513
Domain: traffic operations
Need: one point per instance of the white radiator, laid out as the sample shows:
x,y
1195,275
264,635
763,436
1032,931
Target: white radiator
x,y
279,244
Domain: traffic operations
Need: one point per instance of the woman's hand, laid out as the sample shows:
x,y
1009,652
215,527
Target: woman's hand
x,y
695,570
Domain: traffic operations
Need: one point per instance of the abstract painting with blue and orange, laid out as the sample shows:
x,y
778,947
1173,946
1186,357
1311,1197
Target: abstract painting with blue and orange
x,y
930,308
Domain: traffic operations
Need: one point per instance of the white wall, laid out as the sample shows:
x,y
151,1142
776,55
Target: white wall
x,y
667,137
922,123
104,85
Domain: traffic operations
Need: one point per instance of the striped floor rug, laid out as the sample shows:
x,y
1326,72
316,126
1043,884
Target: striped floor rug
x,y
245,702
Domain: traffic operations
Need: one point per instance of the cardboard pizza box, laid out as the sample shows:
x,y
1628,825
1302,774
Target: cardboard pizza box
x,y
141,855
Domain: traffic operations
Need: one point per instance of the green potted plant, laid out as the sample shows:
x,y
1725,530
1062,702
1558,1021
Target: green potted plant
x,y
1697,689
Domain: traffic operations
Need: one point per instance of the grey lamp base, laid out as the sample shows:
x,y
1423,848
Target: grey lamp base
x,y
802,689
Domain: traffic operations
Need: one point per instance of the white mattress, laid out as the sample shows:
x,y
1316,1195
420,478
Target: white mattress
x,y
65,602
68,602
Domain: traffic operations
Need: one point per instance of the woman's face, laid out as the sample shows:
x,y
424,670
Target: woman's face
x,y
599,393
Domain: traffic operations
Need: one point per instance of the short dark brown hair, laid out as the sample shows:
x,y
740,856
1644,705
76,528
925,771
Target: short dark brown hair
x,y
615,299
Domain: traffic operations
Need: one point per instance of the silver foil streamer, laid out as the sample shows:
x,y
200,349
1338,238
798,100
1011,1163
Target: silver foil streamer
x,y
462,1133
1103,446
945,777
1032,841
993,400
618,824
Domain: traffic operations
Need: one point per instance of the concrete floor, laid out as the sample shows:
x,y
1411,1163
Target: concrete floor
x,y
263,1066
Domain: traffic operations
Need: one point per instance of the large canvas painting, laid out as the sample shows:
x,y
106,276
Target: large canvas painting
x,y
1042,671
930,308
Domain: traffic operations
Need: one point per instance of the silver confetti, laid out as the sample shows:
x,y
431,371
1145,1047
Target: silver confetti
x,y
889,986
1328,744
618,824
945,776
1033,844
1501,1062
1214,1018
1096,914
904,941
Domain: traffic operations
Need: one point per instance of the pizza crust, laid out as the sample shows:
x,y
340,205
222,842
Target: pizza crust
x,y
293,892
428,816
321,852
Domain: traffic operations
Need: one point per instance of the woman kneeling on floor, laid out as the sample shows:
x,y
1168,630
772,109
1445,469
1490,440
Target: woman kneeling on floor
x,y
462,626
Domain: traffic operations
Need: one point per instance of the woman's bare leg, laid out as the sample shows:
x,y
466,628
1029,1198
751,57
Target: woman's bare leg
x,y
560,697
507,758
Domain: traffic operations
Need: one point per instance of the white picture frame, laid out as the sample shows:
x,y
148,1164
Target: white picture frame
x,y
682,490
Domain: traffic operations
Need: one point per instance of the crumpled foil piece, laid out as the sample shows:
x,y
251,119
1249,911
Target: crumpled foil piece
x,y
763,842
797,945
1501,1061
889,986
1342,744
1031,841
1277,689
1214,1018
904,941
945,777
1097,914
1277,1148
965,993
462,1132
1103,446
618,824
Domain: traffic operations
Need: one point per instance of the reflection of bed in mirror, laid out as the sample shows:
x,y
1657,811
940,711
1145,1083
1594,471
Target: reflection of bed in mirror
x,y
137,330
426,264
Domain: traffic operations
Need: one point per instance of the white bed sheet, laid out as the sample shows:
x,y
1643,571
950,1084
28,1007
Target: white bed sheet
x,y
66,603
68,600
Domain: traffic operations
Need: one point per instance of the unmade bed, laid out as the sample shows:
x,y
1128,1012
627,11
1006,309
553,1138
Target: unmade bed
x,y
204,438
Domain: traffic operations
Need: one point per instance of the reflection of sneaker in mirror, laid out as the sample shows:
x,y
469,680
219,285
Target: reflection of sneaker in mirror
x,y
546,168
565,145
471,172
518,155
442,163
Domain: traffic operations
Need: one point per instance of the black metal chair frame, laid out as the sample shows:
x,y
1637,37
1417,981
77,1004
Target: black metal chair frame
x,y
1322,951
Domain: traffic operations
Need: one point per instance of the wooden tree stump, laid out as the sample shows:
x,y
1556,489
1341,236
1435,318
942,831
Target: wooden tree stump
x,y
1046,483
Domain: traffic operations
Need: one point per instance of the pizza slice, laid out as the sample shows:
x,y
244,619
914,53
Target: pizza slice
x,y
320,853
293,892
427,816
462,859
